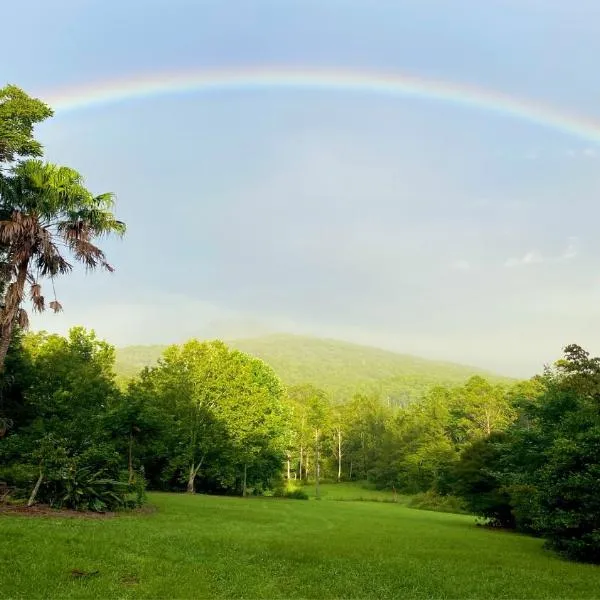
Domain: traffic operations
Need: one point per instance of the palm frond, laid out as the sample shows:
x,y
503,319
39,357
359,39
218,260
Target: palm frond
x,y
56,306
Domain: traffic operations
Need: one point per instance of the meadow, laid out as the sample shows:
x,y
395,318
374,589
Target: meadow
x,y
197,546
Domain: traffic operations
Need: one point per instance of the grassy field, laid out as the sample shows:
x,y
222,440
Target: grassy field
x,y
213,547
353,492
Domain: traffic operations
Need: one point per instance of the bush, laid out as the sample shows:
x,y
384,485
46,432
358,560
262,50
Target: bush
x,y
291,490
20,477
478,481
297,494
438,503
569,497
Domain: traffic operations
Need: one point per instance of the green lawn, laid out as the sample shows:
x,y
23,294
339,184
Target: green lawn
x,y
212,547
353,491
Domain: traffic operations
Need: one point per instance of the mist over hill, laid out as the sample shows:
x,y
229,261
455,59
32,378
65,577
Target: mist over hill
x,y
340,368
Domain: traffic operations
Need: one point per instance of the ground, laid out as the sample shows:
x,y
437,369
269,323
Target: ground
x,y
213,547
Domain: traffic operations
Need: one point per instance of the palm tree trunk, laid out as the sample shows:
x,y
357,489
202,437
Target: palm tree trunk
x,y
8,314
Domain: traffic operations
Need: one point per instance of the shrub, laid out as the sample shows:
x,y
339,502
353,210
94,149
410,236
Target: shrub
x,y
297,494
438,503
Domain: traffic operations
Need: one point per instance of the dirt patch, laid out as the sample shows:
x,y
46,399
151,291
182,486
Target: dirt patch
x,y
42,510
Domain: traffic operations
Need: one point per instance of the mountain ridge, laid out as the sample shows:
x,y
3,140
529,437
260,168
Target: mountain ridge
x,y
340,368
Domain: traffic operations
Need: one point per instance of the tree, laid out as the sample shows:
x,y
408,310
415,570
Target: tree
x,y
43,207
338,427
314,409
225,410
481,408
18,115
63,435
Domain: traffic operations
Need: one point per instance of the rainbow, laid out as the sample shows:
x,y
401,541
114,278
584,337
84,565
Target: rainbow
x,y
268,79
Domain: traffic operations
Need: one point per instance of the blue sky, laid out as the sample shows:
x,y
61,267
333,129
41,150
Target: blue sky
x,y
413,225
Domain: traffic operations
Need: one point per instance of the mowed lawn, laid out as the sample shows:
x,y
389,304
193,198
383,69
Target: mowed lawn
x,y
214,547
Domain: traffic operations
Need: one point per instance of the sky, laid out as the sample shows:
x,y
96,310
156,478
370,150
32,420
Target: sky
x,y
411,224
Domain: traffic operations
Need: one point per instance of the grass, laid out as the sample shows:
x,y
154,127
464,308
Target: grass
x,y
353,492
214,547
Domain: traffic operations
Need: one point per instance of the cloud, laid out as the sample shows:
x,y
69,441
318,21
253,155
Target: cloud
x,y
461,265
588,152
534,257
572,249
531,258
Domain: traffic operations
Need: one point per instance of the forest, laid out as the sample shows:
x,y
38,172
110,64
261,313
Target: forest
x,y
210,418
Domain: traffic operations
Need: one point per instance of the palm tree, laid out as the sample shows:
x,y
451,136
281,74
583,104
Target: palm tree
x,y
45,214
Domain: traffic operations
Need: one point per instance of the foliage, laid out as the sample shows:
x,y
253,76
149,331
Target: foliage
x,y
542,474
433,501
222,416
338,368
43,208
19,113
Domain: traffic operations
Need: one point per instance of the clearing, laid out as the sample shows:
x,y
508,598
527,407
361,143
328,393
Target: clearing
x,y
215,547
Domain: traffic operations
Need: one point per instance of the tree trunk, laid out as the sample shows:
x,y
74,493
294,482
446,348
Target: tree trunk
x,y
8,314
245,479
300,467
317,490
35,489
288,468
350,475
191,485
364,455
339,455
130,459
306,465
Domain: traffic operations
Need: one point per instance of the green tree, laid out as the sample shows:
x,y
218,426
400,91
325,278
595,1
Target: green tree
x,y
19,113
44,206
63,434
313,405
226,410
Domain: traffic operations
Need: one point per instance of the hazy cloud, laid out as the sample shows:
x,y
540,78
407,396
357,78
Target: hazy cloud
x,y
461,265
572,249
531,258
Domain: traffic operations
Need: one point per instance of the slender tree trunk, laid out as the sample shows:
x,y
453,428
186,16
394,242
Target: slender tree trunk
x,y
130,460
191,485
350,475
306,465
317,489
288,468
8,314
339,432
300,469
245,479
364,454
36,489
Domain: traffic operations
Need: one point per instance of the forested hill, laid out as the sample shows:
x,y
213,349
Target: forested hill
x,y
340,368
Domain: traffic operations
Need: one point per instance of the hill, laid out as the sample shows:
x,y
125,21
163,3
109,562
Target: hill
x,y
340,368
